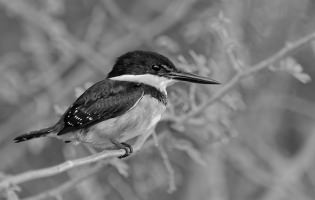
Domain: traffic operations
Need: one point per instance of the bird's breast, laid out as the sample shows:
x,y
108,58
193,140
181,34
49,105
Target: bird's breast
x,y
140,119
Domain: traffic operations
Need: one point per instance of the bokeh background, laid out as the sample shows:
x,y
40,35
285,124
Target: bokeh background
x,y
256,142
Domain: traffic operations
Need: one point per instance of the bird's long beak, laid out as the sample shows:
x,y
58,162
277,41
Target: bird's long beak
x,y
184,76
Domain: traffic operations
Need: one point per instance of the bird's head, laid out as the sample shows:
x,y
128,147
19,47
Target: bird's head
x,y
153,69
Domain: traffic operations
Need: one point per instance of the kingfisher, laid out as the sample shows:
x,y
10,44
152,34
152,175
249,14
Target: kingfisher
x,y
126,104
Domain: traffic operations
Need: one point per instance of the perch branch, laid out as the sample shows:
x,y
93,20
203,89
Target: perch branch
x,y
68,185
50,171
57,169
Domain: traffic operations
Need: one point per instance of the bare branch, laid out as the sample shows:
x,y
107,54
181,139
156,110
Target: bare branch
x,y
289,48
169,168
58,191
50,171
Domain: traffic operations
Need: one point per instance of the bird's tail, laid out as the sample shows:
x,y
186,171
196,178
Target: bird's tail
x,y
36,134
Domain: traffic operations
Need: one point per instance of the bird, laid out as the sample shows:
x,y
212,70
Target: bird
x,y
126,104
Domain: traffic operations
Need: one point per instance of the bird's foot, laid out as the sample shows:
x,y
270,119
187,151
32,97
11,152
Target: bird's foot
x,y
125,146
128,149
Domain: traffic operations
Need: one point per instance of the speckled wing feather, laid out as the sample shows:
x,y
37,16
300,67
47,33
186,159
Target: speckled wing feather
x,y
104,100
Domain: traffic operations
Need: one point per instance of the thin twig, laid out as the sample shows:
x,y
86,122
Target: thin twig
x,y
289,47
58,191
169,168
50,171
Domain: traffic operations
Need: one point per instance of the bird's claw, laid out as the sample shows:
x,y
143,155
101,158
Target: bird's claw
x,y
128,150
125,146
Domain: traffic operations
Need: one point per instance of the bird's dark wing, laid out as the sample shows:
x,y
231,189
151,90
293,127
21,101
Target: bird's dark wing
x,y
104,100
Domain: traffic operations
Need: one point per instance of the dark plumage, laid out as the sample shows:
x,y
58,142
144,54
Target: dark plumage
x,y
100,102
141,62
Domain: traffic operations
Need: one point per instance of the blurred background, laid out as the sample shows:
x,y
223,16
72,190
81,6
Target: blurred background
x,y
256,142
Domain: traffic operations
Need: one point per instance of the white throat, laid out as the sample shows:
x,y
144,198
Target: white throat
x,y
158,82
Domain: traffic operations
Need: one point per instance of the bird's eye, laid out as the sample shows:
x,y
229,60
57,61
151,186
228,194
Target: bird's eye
x,y
156,67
